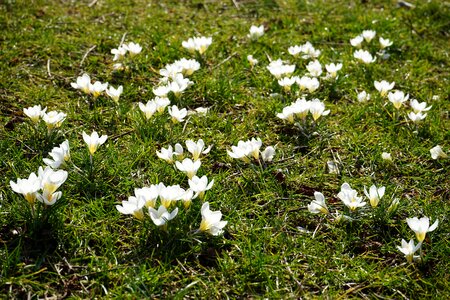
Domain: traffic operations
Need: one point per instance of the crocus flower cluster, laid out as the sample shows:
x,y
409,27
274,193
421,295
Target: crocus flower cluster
x,y
307,51
97,88
120,53
299,110
42,187
52,119
420,227
247,150
197,44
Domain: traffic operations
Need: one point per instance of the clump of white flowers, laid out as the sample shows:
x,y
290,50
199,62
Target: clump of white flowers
x,y
250,149
299,110
197,44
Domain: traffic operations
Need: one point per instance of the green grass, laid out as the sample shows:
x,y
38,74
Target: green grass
x,y
272,247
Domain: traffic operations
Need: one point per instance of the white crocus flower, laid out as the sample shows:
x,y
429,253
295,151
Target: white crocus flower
x,y
363,96
188,166
211,221
287,114
50,181
93,141
398,98
200,186
364,56
148,109
421,226
384,43
254,146
161,91
419,106
161,216
59,155
416,117
83,83
386,156
177,114
97,88
311,84
197,148
318,205
409,249
133,206
332,69
383,87
314,68
114,93
368,35
34,113
350,197
256,32
317,109
170,194
133,48
356,42
374,194
286,83
199,44
437,152
149,194
27,187
161,103
167,154
119,53
241,151
309,52
53,119
188,66
301,107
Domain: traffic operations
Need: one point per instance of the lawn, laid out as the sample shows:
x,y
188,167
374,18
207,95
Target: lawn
x,y
278,134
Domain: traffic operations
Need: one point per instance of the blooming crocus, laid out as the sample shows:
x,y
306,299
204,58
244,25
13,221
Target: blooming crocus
x,y
421,226
114,93
301,107
241,151
256,32
416,117
50,181
278,69
356,42
119,53
177,114
197,148
161,216
133,48
170,71
314,68
386,156
350,197
199,44
34,113
200,186
211,221
287,114
188,66
309,52
161,91
268,154
437,152
254,146
133,206
311,84
169,194
374,194
368,35
27,187
364,56
383,87
188,166
148,109
83,83
97,88
419,106
161,103
252,61
59,155
286,83
93,141
53,119
149,194
384,43
398,98
332,69
363,96
186,198
168,154
409,249
318,205
317,109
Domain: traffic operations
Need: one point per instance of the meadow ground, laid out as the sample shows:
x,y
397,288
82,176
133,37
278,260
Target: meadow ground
x,y
272,246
